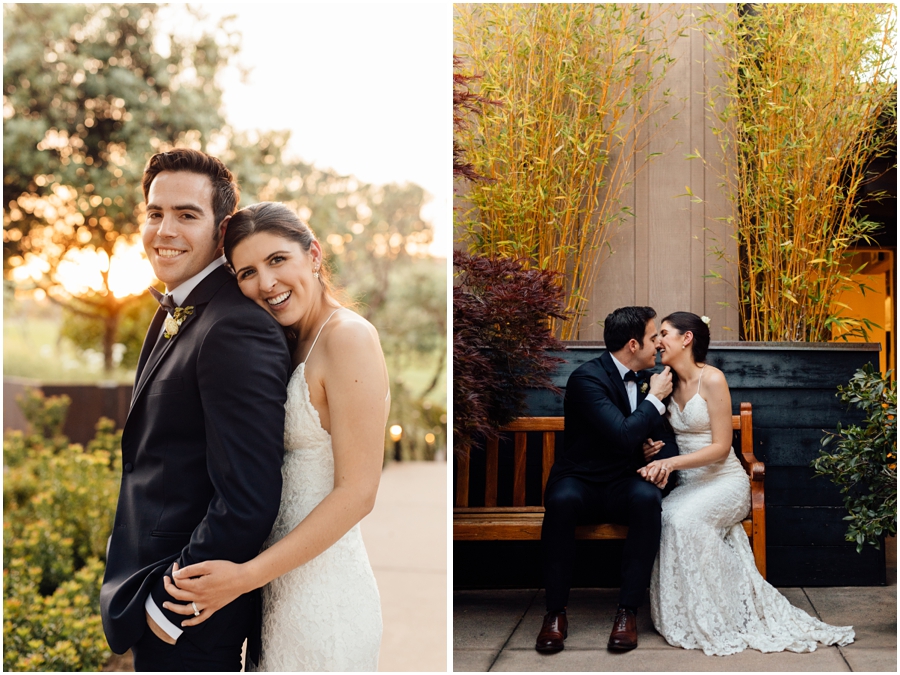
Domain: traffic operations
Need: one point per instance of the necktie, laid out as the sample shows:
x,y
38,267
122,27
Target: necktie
x,y
630,376
167,302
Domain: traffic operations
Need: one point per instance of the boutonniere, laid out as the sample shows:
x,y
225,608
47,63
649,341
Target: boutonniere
x,y
173,322
644,387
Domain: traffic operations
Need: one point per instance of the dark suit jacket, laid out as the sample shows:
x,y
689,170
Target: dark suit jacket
x,y
603,438
202,451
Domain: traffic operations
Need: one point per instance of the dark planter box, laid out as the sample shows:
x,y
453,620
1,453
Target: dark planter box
x,y
792,387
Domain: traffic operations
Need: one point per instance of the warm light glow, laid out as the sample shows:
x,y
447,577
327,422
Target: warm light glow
x,y
429,438
396,432
130,272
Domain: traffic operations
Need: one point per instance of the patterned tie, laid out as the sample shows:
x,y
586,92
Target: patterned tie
x,y
167,302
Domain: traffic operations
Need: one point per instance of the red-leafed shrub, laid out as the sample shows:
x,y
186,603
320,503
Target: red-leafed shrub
x,y
500,340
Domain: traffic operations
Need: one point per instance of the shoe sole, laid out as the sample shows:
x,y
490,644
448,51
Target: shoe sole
x,y
549,650
620,648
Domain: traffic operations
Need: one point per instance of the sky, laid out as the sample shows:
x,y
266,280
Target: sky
x,y
364,89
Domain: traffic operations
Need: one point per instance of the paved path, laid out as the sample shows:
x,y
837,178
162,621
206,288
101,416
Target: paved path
x,y
495,630
406,537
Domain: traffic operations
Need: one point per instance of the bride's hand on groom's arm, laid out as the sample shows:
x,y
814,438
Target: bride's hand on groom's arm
x,y
210,585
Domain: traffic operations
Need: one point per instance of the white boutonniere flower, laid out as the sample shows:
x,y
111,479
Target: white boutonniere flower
x,y
644,388
172,323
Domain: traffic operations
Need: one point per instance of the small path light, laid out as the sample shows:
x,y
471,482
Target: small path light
x,y
396,432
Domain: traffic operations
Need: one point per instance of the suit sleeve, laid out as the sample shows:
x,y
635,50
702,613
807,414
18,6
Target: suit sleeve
x,y
591,398
242,370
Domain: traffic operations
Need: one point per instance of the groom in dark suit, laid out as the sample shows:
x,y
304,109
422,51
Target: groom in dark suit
x,y
614,423
202,446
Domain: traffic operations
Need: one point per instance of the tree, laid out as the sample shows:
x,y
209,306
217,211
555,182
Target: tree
x,y
87,99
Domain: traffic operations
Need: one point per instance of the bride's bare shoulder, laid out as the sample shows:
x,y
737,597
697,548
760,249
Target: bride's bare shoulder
x,y
714,377
348,330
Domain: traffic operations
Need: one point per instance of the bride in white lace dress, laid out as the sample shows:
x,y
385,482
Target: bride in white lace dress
x,y
321,608
705,591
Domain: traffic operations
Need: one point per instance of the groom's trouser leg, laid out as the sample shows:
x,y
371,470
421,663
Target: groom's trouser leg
x,y
567,502
638,504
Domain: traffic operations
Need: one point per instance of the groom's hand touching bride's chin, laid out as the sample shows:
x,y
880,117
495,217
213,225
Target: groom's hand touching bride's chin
x,y
205,587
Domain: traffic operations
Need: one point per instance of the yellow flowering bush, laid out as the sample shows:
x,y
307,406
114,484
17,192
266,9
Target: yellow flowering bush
x,y
59,501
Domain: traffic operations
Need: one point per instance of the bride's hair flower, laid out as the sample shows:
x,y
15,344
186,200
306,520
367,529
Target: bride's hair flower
x,y
705,319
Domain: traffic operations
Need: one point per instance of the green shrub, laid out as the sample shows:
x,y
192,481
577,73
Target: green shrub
x,y
863,461
59,503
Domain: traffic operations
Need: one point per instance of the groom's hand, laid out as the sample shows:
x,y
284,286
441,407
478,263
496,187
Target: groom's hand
x,y
661,383
157,631
651,447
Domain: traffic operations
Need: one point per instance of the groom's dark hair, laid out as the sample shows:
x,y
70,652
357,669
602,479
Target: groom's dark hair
x,y
226,193
624,324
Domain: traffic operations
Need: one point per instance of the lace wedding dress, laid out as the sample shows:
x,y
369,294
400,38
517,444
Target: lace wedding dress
x,y
705,591
324,615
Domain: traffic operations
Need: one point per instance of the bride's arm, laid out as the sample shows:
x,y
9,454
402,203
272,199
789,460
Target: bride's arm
x,y
718,402
355,386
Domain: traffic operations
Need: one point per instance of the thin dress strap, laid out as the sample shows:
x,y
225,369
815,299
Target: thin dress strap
x,y
699,379
320,332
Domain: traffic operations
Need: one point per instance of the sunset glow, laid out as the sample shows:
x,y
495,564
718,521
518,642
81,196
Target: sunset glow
x,y
129,270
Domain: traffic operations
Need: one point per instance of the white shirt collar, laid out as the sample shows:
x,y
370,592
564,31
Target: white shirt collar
x,y
180,294
622,369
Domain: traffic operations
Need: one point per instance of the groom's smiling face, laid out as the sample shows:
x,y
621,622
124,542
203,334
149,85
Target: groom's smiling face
x,y
180,236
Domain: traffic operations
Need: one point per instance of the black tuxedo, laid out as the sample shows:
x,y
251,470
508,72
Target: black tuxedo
x,y
595,478
202,451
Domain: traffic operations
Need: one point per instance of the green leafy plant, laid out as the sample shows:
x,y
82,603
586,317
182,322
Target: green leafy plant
x,y
579,88
862,459
501,335
807,100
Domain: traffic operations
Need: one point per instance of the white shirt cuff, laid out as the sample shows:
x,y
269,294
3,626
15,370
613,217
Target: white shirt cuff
x,y
657,403
156,614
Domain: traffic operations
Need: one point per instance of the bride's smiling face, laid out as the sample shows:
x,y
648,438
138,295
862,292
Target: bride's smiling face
x,y
277,274
672,344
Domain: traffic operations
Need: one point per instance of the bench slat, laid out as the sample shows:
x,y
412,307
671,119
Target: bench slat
x,y
490,474
519,475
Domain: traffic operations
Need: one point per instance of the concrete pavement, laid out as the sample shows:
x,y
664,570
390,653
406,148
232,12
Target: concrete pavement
x,y
406,537
495,630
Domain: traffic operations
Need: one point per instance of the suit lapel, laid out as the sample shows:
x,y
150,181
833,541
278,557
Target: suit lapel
x,y
199,297
150,341
617,382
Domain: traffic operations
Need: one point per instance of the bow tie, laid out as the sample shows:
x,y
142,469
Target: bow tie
x,y
630,376
167,302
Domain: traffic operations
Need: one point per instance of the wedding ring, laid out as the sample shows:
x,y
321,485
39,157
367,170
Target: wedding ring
x,y
196,611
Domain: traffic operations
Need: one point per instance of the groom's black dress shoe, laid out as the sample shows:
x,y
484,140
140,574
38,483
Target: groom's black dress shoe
x,y
624,632
553,632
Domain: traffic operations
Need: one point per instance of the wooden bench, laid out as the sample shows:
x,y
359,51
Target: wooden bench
x,y
517,522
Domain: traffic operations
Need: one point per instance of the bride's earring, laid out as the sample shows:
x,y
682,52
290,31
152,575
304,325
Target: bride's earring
x,y
316,273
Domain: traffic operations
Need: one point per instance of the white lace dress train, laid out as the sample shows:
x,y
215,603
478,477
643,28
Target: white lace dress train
x,y
324,615
705,591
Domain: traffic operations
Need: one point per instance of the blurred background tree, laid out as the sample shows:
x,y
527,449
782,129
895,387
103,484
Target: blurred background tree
x,y
86,100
